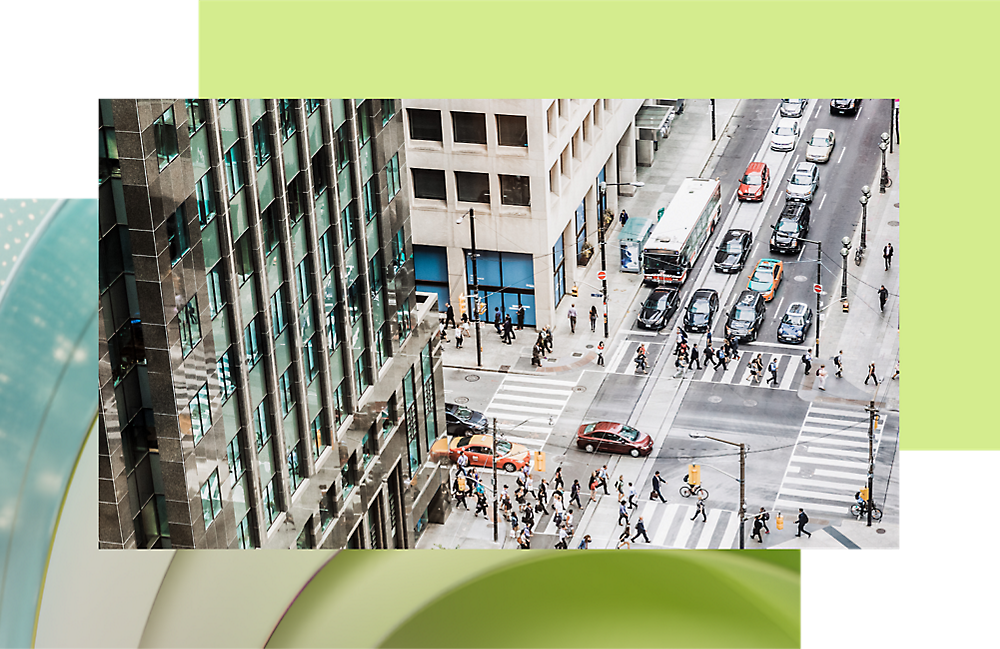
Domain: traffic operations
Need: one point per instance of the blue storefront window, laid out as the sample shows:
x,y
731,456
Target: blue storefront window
x,y
430,264
506,279
559,274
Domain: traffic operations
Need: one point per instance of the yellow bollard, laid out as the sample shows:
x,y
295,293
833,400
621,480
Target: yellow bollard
x,y
540,461
779,522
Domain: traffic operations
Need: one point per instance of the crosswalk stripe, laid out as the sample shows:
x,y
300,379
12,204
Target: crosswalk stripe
x,y
801,493
518,398
526,429
732,530
794,505
648,510
834,442
811,482
512,408
813,448
664,525
536,390
837,422
862,475
525,441
840,413
810,460
837,431
789,376
708,531
681,540
531,379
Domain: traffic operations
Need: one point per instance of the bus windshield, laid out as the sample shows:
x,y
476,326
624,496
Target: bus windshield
x,y
668,264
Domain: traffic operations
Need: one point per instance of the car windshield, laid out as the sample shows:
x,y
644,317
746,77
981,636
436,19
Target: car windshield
x,y
784,130
744,313
752,179
817,141
763,274
788,227
802,179
463,413
630,434
796,320
503,447
658,302
701,306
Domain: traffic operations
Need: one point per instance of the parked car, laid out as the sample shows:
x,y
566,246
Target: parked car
x,y
701,309
613,437
464,421
844,106
658,308
754,182
795,323
766,277
804,182
792,107
793,222
732,253
820,145
746,317
785,135
479,450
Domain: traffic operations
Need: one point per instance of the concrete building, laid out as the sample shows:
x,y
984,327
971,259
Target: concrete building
x,y
269,375
529,169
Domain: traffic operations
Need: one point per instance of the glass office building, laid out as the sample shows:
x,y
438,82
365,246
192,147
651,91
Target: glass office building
x,y
269,373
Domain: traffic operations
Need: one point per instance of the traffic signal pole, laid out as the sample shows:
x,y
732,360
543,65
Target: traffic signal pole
x,y
495,495
872,413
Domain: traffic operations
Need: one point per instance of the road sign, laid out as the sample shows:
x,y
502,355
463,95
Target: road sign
x,y
817,288
596,295
601,275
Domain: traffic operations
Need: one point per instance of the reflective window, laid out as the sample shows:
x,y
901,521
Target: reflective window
x,y
515,190
190,326
279,316
428,183
201,413
392,176
233,163
469,127
165,134
472,187
320,181
286,391
388,110
319,436
343,137
347,224
287,118
270,222
261,142
177,234
204,191
294,469
224,369
262,424
512,130
364,122
195,113
235,457
303,281
251,344
211,498
216,290
370,201
424,124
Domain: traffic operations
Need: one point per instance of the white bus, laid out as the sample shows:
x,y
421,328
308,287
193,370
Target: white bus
x,y
679,237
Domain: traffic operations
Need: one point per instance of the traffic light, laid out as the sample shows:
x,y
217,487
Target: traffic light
x,y
875,425
864,493
694,474
575,292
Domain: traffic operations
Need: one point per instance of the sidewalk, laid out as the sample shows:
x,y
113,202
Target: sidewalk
x,y
688,151
865,333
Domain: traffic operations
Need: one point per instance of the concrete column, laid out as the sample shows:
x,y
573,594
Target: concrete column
x,y
626,160
456,281
593,216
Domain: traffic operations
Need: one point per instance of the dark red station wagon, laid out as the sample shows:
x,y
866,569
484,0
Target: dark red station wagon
x,y
613,437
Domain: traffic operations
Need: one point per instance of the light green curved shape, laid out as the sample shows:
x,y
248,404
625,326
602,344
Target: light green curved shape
x,y
48,399
411,599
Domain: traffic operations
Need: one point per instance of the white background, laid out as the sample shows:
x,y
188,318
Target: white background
x,y
939,589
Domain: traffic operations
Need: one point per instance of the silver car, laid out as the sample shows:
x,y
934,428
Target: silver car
x,y
820,145
804,182
785,135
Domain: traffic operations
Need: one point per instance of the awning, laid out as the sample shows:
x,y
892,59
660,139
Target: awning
x,y
653,121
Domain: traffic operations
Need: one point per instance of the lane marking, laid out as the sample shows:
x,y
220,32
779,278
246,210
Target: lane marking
x,y
663,528
842,152
822,200
534,390
793,504
732,531
708,531
816,483
832,411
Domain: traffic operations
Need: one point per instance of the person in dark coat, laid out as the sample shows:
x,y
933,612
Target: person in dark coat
x,y
758,525
593,318
574,494
657,481
640,529
801,521
700,509
497,318
883,296
450,317
520,317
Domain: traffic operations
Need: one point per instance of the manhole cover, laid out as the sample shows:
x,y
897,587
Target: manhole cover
x,y
472,378
894,224
590,346
750,403
577,354
880,530
579,388
505,368
800,278
461,399
715,399
552,360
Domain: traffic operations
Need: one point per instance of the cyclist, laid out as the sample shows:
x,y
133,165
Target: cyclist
x,y
862,503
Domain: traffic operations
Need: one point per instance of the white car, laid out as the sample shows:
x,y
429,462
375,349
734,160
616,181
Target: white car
x,y
820,145
785,135
804,182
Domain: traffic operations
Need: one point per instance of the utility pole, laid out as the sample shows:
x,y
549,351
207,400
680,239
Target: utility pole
x,y
604,270
892,120
475,282
713,120
495,496
872,413
819,282
743,486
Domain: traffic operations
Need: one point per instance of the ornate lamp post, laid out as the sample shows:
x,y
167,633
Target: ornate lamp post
x,y
883,145
846,250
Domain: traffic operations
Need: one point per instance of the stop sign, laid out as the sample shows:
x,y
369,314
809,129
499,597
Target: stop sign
x,y
817,288
601,275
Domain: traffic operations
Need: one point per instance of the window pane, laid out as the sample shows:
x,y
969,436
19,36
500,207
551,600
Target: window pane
x,y
165,135
515,190
388,110
473,187
319,173
428,183
234,170
177,235
370,200
216,290
469,127
196,114
364,122
251,344
512,130
287,118
278,311
424,124
205,194
224,370
343,138
295,206
261,142
347,223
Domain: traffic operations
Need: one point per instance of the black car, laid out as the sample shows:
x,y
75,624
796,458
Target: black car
x,y
792,107
844,106
793,222
658,307
701,309
464,421
746,317
795,323
733,251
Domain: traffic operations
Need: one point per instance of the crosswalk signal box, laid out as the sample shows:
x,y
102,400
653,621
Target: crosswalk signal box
x,y
864,493
540,461
694,474
779,521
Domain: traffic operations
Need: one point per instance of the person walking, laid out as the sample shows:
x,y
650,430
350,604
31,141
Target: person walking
x,y
764,516
710,356
622,513
497,319
640,359
883,296
506,331
708,337
572,318
563,537
623,540
459,335
887,255
657,481
584,543
838,361
450,315
460,495
772,367
600,353
807,359
443,331
821,378
602,475
623,218
871,374
593,486
734,346
700,509
509,324
721,354
695,357
758,525
536,356
557,479
631,497
895,375
481,504
520,317
593,319
548,339
620,486
681,339
640,529
574,494
801,521
756,369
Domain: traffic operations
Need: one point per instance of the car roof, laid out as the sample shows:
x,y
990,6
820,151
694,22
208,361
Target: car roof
x,y
606,426
822,132
662,290
797,308
764,263
756,167
792,210
788,121
805,166
703,292
748,297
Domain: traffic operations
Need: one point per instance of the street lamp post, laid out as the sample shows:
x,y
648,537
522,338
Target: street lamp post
x,y
883,145
603,190
495,495
819,282
872,414
846,250
475,283
743,480
866,193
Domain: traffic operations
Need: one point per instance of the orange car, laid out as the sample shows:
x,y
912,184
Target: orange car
x,y
754,182
479,450
766,277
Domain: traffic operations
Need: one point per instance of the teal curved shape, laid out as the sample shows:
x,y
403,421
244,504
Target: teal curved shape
x,y
48,399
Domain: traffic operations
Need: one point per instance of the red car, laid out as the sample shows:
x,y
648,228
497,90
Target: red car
x,y
754,182
613,437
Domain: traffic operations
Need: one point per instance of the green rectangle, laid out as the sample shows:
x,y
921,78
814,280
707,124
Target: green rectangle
x,y
231,417
345,186
220,330
315,127
227,125
365,160
283,350
210,243
275,271
257,108
238,222
291,428
322,213
371,237
337,365
351,270
338,113
290,152
200,160
256,380
265,185
314,400
299,244
248,300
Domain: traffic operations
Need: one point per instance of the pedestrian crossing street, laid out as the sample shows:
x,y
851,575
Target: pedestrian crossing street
x,y
527,408
670,526
829,463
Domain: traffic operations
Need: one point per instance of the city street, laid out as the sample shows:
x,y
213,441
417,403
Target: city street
x,y
805,447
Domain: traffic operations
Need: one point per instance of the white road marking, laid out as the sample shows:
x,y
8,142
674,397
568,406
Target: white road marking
x,y
732,529
857,113
534,390
663,528
792,504
777,311
821,201
685,530
809,482
842,152
709,529
523,399
734,195
831,411
531,379
836,451
835,442
784,345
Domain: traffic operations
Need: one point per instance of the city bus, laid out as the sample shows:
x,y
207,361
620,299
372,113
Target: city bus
x,y
681,235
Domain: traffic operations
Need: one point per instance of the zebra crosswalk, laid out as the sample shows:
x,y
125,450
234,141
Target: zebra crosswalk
x,y
670,526
738,373
527,408
829,463
623,361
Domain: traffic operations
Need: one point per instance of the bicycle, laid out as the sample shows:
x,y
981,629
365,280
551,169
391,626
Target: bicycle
x,y
886,180
857,511
697,490
859,255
